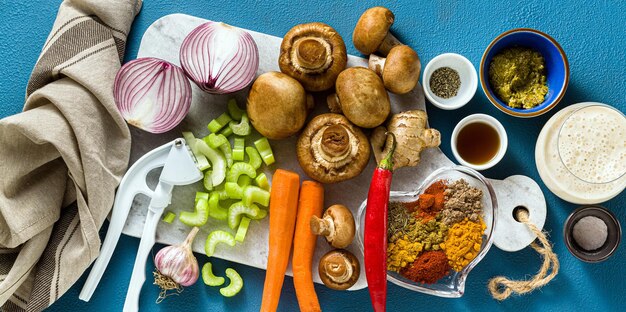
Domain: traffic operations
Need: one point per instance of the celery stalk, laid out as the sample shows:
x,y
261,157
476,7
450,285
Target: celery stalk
x,y
201,195
216,211
254,194
207,182
216,141
243,127
215,238
244,180
237,210
201,162
209,278
239,169
197,218
263,145
233,190
242,229
238,149
234,110
218,123
254,157
227,131
218,161
170,216
262,182
235,286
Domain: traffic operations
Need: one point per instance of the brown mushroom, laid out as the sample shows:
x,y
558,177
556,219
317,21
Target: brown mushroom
x,y
314,54
337,225
339,269
371,32
278,105
331,149
361,97
400,71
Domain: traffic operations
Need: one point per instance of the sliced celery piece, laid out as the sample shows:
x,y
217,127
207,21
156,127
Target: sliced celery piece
x,y
227,131
261,215
254,194
238,149
233,190
204,195
170,216
243,127
215,238
207,182
242,229
237,210
238,169
216,211
244,180
234,110
216,141
201,162
209,278
218,123
197,218
235,286
218,161
265,150
254,157
262,182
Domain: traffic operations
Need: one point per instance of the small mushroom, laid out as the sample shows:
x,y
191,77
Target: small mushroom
x,y
400,71
371,32
337,225
361,97
331,149
314,54
339,269
278,105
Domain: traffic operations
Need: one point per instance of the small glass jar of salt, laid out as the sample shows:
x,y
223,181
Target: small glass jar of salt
x,y
590,233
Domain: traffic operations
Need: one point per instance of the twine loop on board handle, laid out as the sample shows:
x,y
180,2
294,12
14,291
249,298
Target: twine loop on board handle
x,y
502,287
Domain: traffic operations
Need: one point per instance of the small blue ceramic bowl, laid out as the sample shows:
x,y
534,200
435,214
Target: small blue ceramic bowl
x,y
557,68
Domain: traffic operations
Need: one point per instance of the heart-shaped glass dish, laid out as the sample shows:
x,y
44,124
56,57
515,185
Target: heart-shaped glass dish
x,y
453,284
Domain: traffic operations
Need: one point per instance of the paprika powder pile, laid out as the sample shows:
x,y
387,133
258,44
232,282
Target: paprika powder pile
x,y
430,203
428,268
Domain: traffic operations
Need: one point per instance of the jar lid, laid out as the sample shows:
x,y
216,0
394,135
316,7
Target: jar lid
x,y
614,232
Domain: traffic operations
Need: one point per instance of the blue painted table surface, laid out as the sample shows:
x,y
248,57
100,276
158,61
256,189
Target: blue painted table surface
x,y
592,33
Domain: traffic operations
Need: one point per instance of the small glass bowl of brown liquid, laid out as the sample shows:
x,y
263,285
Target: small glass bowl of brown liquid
x,y
479,141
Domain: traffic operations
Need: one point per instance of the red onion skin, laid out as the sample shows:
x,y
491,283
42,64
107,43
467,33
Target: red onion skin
x,y
214,70
146,81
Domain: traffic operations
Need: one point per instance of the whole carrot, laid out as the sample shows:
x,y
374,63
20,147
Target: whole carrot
x,y
375,236
283,208
311,203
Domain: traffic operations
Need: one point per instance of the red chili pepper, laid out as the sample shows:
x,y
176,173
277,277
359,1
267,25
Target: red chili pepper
x,y
375,251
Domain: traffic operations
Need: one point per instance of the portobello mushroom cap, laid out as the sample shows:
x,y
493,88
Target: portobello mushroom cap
x,y
277,105
361,97
314,54
331,149
339,269
400,70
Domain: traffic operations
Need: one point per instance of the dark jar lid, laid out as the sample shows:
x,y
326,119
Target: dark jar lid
x,y
614,234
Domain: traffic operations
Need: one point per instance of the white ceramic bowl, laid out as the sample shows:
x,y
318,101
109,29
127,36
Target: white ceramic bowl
x,y
467,74
504,142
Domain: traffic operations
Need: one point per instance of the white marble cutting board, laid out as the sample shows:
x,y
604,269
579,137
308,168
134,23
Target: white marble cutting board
x,y
163,39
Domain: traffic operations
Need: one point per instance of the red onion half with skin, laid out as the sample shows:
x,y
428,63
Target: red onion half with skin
x,y
152,94
219,58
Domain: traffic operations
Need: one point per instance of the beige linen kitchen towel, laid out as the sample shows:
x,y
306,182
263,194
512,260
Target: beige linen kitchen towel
x,y
62,158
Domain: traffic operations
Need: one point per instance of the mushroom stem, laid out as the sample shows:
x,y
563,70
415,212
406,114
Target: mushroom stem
x,y
377,63
311,55
333,103
321,226
310,102
339,270
388,43
335,140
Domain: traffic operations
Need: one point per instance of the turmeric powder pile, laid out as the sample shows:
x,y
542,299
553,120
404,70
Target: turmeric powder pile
x,y
463,242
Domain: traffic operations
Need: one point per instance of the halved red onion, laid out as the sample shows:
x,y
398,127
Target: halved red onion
x,y
152,94
219,58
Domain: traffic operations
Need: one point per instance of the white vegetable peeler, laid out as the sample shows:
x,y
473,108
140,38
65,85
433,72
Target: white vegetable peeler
x,y
179,168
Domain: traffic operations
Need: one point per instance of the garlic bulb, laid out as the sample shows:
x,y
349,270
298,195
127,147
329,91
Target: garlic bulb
x,y
176,265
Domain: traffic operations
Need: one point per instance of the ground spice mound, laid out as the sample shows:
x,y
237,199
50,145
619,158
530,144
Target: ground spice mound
x,y
463,243
429,204
462,201
428,268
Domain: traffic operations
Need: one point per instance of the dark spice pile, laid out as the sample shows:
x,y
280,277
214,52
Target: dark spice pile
x,y
445,82
428,268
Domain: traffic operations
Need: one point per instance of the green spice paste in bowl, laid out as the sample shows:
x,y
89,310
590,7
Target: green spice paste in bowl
x,y
438,233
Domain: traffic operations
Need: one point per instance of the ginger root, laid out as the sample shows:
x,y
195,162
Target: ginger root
x,y
412,137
